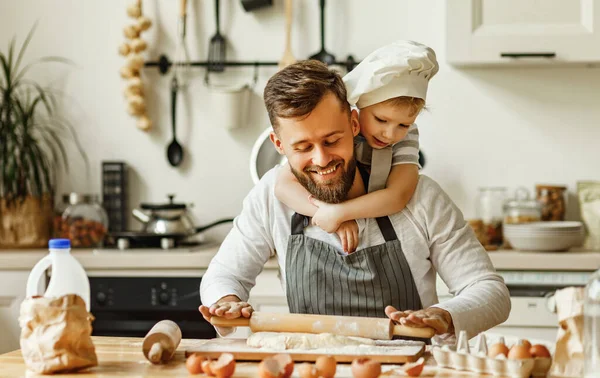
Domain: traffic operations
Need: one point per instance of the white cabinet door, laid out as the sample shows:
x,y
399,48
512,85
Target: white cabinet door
x,y
12,293
522,31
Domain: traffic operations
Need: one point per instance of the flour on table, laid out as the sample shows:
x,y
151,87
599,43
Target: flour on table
x,y
307,341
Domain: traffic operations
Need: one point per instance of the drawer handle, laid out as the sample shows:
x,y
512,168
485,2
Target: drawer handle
x,y
528,55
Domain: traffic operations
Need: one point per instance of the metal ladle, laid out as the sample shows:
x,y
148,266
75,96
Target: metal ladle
x,y
323,55
174,150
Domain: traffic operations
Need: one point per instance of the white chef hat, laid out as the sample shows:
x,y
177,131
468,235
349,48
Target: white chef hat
x,y
402,68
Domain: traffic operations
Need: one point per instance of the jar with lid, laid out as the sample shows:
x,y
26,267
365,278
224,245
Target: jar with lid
x,y
85,222
489,210
553,200
522,208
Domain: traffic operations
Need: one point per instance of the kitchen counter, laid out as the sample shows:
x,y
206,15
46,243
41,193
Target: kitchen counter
x,y
199,258
119,357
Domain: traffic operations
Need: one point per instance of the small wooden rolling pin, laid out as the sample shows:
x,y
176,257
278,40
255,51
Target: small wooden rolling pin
x,y
372,328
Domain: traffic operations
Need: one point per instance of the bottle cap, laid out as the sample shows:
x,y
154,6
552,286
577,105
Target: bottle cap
x,y
59,243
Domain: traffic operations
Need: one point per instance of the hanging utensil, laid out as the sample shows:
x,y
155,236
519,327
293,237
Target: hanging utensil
x,y
179,79
218,44
323,55
174,150
252,5
181,65
288,57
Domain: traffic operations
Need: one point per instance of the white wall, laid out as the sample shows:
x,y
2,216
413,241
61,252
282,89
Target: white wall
x,y
501,126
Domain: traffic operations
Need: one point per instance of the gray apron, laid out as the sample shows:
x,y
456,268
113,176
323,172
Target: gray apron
x,y
320,280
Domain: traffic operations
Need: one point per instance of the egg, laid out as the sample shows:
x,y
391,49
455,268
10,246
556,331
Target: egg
x,y
194,364
414,369
365,368
307,370
286,363
496,349
326,366
270,368
524,342
539,350
206,368
224,367
519,352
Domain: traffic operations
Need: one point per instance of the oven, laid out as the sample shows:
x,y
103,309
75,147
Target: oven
x,y
130,306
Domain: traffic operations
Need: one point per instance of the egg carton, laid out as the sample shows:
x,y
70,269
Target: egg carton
x,y
477,361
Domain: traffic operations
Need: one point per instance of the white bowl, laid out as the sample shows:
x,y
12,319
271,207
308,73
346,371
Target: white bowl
x,y
544,243
546,226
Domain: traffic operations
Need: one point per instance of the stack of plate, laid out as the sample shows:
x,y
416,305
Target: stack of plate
x,y
544,236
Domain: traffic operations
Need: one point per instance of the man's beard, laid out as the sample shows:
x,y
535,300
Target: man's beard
x,y
332,191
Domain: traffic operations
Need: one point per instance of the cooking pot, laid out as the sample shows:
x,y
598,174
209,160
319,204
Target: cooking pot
x,y
170,219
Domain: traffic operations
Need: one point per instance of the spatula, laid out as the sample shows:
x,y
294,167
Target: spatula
x,y
217,47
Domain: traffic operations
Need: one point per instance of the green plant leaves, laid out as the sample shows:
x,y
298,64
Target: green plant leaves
x,y
31,133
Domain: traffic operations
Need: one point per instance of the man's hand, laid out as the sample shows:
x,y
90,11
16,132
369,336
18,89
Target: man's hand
x,y
348,234
436,318
328,216
229,307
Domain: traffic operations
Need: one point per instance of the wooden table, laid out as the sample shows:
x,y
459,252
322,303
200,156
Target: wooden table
x,y
122,357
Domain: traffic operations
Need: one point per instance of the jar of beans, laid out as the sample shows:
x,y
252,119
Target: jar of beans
x,y
553,200
84,221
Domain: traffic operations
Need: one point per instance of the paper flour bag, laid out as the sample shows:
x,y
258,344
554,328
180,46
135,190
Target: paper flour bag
x,y
56,334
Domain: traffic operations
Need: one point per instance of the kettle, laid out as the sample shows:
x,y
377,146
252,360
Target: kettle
x,y
167,218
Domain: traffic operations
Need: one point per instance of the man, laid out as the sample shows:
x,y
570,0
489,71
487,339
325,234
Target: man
x,y
393,271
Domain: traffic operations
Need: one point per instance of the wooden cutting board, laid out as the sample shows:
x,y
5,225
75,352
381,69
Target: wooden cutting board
x,y
390,353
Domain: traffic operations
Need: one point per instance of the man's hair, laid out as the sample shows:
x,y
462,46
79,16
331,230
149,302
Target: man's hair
x,y
296,90
414,104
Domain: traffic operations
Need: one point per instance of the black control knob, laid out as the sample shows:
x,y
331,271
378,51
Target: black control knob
x,y
101,298
164,297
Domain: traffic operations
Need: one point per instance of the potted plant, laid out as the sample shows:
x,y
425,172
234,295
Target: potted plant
x,y
31,151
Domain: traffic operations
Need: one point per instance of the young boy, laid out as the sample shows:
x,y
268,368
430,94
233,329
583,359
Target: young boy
x,y
389,88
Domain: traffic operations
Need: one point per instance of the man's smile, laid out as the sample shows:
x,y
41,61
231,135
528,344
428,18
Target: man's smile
x,y
325,173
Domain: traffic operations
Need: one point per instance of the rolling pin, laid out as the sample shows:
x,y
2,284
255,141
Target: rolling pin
x,y
372,328
160,343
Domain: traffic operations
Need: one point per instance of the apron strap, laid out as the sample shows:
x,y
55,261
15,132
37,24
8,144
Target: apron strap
x,y
381,165
299,222
387,230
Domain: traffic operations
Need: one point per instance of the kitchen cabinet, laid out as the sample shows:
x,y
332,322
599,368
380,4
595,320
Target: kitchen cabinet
x,y
482,32
12,293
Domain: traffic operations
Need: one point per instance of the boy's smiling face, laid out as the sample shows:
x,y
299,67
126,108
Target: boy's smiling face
x,y
384,124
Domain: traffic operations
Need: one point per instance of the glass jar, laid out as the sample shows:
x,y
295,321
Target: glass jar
x,y
489,210
591,325
522,208
553,200
85,222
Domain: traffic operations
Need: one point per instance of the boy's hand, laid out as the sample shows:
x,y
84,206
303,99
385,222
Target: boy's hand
x,y
327,217
436,318
348,234
229,307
